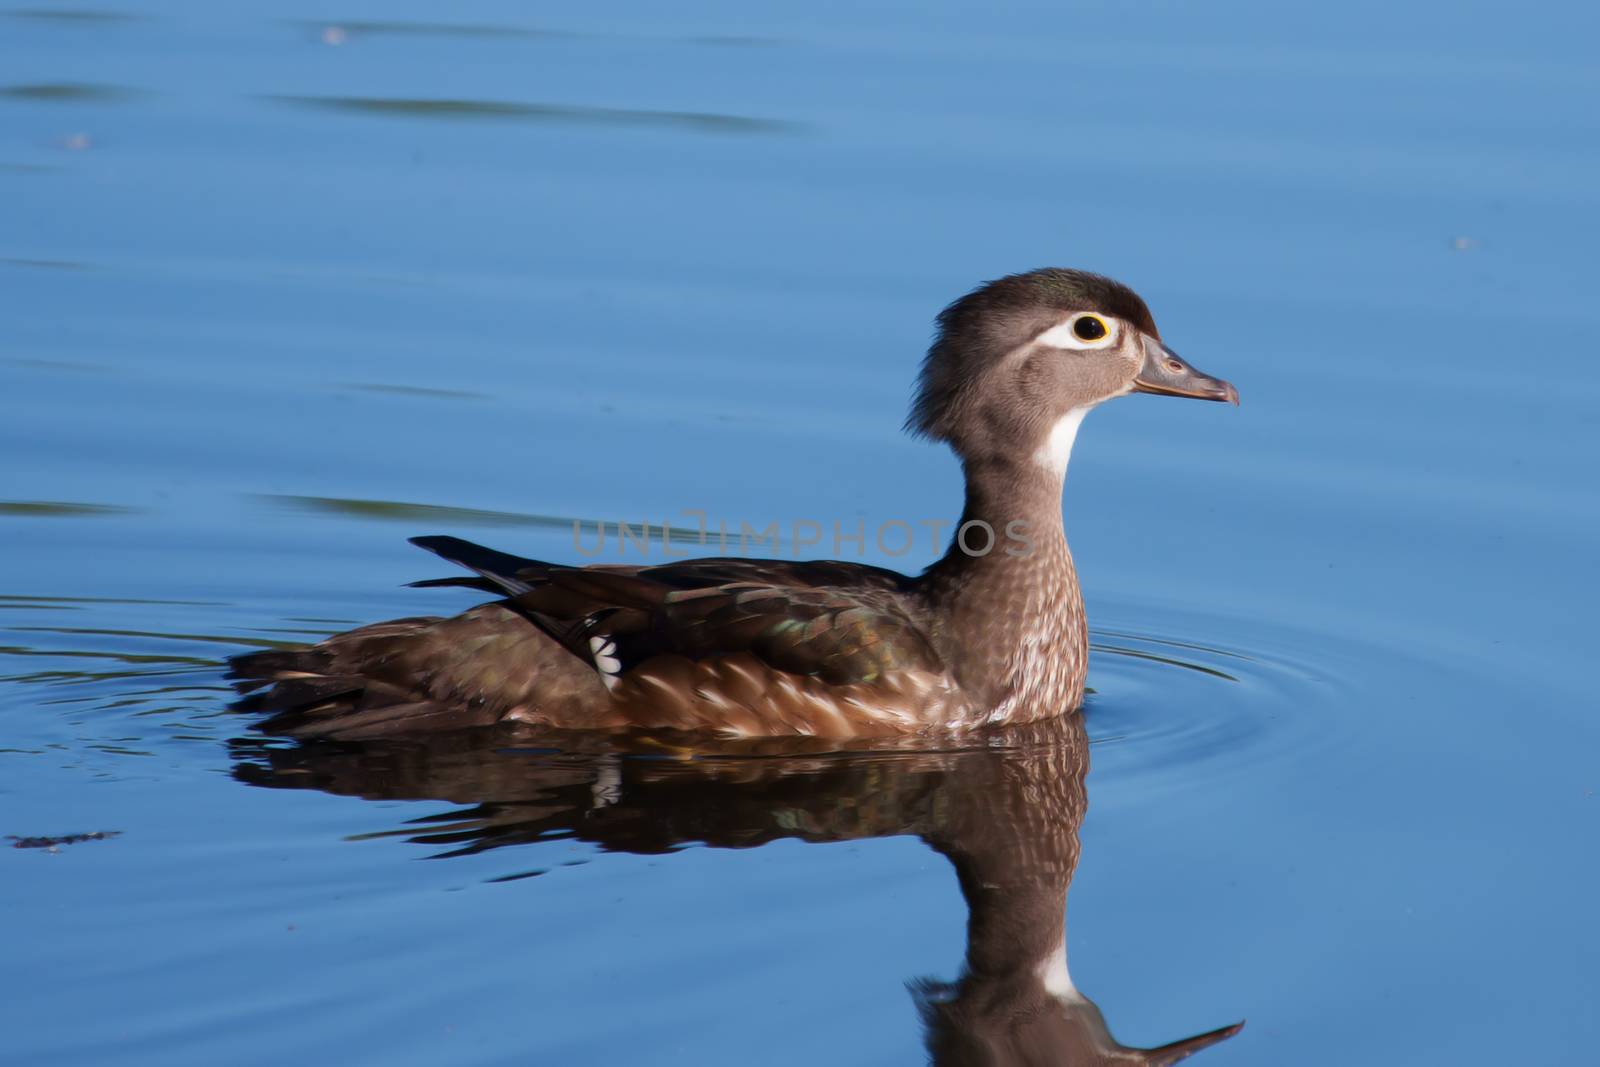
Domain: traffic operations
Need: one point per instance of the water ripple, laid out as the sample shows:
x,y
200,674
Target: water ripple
x,y
1170,711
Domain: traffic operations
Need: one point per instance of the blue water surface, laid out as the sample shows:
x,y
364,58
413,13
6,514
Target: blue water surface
x,y
283,284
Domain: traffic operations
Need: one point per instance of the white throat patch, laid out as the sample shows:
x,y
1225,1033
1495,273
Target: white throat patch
x,y
1057,448
1053,973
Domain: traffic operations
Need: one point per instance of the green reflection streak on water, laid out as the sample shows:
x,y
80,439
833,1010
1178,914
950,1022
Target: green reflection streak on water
x,y
44,264
118,657
84,677
400,511
10,598
68,92
69,366
483,31
426,392
429,29
88,631
73,15
501,110
56,509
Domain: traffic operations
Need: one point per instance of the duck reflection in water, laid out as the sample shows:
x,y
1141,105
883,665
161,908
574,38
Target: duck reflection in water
x,y
1005,811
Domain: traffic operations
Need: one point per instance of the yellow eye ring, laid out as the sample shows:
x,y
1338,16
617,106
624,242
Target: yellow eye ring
x,y
1090,328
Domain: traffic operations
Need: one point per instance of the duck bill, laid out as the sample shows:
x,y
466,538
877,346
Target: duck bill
x,y
1182,1050
1165,373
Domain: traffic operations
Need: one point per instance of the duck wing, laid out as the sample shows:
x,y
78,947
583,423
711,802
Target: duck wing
x,y
839,623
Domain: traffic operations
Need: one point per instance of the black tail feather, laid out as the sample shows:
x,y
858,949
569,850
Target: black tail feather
x,y
461,581
498,568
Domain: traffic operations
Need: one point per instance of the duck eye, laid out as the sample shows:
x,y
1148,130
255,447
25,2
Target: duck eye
x,y
1089,328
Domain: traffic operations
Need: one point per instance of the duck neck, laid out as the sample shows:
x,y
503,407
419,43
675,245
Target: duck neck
x,y
1006,599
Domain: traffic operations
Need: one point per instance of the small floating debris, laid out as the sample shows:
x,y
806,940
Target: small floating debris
x,y
55,844
1464,244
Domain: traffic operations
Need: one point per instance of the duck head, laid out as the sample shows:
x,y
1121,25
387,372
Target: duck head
x,y
1018,362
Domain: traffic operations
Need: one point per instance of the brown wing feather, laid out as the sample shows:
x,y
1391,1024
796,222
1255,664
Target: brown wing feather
x,y
838,622
840,636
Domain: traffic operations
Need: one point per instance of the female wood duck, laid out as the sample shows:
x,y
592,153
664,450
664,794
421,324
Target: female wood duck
x,y
992,633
